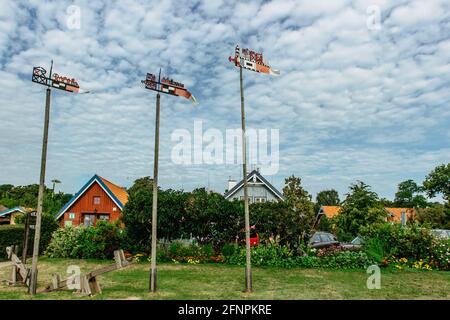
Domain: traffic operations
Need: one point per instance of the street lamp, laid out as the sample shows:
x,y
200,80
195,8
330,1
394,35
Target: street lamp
x,y
54,181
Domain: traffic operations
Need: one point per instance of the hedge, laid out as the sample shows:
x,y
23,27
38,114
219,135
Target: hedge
x,y
10,235
13,235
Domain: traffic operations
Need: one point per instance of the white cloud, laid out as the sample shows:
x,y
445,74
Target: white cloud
x,y
351,103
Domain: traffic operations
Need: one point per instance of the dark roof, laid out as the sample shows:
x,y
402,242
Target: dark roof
x,y
260,177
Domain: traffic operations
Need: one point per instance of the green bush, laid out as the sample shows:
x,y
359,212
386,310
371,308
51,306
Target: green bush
x,y
283,257
13,234
85,242
264,255
392,244
411,242
10,235
228,249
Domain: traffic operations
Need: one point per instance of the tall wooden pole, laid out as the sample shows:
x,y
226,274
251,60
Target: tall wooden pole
x,y
155,199
37,230
248,267
25,238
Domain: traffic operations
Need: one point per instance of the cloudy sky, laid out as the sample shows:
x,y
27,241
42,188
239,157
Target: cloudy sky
x,y
356,99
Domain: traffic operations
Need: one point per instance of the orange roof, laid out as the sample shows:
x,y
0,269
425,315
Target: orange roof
x,y
397,213
330,211
119,192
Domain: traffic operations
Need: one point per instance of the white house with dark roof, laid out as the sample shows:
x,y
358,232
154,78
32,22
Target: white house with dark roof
x,y
259,189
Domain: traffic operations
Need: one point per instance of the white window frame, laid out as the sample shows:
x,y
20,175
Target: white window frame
x,y
260,199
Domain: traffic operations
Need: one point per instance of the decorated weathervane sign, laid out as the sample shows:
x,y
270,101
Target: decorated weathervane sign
x,y
251,60
55,81
166,85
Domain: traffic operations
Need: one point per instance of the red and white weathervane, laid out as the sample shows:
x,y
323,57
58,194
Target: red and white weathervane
x,y
253,61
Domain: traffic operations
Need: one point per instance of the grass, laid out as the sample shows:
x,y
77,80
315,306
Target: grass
x,y
214,281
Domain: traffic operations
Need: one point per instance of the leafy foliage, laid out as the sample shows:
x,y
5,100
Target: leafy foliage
x,y
327,198
436,216
10,235
273,255
408,195
299,202
26,196
85,242
206,216
360,208
13,234
386,242
438,181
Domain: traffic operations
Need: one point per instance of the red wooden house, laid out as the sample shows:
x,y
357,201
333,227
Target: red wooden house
x,y
98,199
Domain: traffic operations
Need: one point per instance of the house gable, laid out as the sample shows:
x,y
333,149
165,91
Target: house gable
x,y
12,210
99,181
254,177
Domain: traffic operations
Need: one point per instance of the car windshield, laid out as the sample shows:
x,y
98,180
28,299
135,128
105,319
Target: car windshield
x,y
315,238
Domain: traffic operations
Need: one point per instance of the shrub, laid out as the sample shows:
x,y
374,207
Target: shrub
x,y
228,249
410,242
376,249
283,257
85,242
13,234
406,247
10,235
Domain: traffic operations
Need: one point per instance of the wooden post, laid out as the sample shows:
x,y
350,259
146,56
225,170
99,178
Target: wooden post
x,y
25,238
248,266
37,230
155,199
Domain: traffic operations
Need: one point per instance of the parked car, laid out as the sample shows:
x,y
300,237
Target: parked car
x,y
354,244
322,239
441,233
254,236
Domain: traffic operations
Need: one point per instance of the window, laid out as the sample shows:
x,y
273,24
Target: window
x,y
88,220
96,200
249,199
72,216
103,217
67,223
260,199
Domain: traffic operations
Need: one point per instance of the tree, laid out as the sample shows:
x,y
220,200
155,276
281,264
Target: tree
x,y
137,215
408,195
300,208
436,216
360,208
327,198
211,218
438,182
206,216
26,196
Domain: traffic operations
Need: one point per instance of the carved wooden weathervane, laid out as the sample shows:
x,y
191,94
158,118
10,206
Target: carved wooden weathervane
x,y
167,85
252,60
55,80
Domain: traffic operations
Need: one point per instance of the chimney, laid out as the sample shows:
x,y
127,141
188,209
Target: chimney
x,y
231,183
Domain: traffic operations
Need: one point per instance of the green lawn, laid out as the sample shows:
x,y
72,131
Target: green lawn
x,y
178,281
